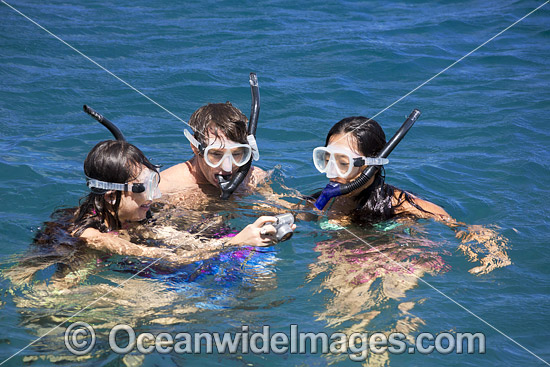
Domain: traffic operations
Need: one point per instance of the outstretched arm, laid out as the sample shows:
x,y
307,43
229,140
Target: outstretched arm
x,y
191,248
482,244
258,234
420,208
109,242
478,243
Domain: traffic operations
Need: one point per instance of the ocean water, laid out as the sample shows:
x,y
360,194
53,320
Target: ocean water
x,y
480,150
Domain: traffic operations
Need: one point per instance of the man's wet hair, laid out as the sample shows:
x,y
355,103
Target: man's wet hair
x,y
219,119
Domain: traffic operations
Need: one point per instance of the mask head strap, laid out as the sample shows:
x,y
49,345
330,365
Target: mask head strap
x,y
194,141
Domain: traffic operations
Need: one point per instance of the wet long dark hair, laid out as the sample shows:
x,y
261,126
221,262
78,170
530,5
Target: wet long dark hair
x,y
57,242
110,161
375,202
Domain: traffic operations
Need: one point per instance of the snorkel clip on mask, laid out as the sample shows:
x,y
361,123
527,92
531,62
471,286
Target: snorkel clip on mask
x,y
334,189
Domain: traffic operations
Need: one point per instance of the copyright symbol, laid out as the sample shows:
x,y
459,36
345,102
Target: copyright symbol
x,y
79,338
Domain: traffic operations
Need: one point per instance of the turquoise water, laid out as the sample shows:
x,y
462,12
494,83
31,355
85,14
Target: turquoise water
x,y
480,150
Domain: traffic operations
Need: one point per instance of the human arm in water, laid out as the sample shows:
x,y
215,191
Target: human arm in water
x,y
112,243
418,207
257,234
478,243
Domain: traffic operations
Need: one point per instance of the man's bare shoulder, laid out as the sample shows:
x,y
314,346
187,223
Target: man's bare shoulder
x,y
176,178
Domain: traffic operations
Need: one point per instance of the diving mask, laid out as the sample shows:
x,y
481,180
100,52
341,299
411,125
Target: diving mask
x,y
149,185
336,161
217,154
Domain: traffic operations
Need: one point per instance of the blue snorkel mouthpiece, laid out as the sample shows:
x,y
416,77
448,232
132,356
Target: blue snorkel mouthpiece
x,y
229,186
334,189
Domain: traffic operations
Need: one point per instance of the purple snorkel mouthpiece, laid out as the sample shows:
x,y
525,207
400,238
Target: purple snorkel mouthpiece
x,y
330,191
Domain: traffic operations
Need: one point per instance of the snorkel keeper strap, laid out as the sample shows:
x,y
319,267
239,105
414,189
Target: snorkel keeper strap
x,y
334,189
238,177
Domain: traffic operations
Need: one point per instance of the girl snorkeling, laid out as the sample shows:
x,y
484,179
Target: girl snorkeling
x,y
372,272
123,185
355,143
352,145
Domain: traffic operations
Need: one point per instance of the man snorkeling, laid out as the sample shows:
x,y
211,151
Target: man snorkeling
x,y
220,146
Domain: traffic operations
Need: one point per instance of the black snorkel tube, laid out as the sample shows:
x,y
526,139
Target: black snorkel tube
x,y
108,124
228,187
334,189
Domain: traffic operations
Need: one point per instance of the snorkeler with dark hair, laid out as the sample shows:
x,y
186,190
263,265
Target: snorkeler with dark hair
x,y
371,269
353,145
123,185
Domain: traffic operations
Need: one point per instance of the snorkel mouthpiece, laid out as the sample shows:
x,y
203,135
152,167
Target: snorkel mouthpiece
x,y
335,189
223,180
332,190
228,187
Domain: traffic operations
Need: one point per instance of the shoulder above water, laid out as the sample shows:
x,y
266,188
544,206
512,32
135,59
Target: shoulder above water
x,y
421,208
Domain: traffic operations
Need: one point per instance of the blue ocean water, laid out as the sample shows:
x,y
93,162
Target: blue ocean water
x,y
480,150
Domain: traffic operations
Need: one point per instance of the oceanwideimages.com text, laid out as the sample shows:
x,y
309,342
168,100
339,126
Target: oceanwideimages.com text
x,y
80,339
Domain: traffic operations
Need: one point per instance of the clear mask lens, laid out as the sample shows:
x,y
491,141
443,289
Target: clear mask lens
x,y
320,159
237,154
152,186
332,171
334,164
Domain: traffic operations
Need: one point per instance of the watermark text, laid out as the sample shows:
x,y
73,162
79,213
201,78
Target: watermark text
x,y
80,339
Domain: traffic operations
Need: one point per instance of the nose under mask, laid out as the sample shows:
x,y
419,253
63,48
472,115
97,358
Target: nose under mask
x,y
227,165
331,170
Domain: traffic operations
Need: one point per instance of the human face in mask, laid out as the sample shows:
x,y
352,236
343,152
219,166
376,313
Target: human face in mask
x,y
340,159
135,205
221,157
